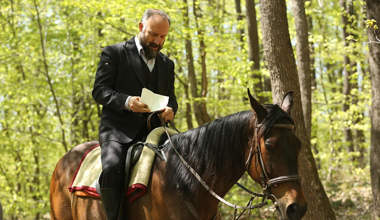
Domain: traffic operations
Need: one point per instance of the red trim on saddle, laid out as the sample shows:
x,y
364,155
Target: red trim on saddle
x,y
71,188
133,189
86,191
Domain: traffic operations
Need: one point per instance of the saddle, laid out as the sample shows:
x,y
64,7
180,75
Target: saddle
x,y
139,161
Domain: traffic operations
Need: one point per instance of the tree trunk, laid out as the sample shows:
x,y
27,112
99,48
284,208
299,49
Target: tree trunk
x,y
200,107
347,73
189,120
373,12
303,60
279,54
312,51
239,17
254,50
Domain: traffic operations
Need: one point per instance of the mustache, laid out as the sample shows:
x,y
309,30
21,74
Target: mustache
x,y
152,44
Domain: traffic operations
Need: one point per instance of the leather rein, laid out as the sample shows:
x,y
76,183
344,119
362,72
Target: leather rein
x,y
267,183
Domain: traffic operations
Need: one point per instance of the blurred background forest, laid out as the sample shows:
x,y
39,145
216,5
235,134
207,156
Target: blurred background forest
x,y
48,58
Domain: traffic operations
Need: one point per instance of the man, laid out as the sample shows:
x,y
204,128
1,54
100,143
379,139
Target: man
x,y
123,71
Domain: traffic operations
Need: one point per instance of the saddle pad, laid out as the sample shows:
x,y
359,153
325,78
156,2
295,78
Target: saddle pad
x,y
87,173
83,183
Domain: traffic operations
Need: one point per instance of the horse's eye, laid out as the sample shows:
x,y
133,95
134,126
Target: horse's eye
x,y
269,147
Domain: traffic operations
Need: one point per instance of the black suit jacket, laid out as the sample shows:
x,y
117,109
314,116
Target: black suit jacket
x,y
120,75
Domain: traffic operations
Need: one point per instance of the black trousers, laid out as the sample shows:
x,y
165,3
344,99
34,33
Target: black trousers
x,y
113,156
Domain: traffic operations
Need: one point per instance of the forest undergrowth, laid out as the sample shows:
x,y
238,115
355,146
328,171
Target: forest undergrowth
x,y
351,196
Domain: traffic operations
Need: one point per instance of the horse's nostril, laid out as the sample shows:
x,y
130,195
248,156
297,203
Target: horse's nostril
x,y
291,211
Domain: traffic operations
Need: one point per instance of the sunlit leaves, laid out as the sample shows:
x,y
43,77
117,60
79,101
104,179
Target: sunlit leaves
x,y
371,24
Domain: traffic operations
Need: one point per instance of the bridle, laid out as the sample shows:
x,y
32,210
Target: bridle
x,y
267,183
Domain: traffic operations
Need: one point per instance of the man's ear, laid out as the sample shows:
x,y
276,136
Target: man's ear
x,y
287,102
141,25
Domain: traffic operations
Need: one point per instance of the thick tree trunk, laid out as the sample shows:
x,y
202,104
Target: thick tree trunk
x,y
373,12
303,60
279,54
254,49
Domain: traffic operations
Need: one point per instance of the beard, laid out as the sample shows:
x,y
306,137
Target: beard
x,y
148,52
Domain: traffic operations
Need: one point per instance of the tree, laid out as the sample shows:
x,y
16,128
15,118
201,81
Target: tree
x,y
303,60
281,63
347,10
254,50
373,14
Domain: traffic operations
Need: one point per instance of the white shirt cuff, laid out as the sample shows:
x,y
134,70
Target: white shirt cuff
x,y
126,106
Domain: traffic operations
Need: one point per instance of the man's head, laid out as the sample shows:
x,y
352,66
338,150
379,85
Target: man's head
x,y
154,27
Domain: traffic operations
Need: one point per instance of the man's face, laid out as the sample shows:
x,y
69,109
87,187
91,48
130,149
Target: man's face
x,y
152,36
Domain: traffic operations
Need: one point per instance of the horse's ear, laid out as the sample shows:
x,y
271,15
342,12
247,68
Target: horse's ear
x,y
287,102
257,108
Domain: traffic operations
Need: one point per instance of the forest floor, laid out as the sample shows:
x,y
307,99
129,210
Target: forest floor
x,y
350,197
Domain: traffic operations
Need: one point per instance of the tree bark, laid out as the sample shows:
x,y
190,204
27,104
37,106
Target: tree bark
x,y
279,54
373,12
303,60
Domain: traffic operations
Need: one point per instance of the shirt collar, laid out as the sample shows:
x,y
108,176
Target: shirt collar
x,y
138,45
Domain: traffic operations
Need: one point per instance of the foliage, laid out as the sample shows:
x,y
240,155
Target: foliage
x,y
49,56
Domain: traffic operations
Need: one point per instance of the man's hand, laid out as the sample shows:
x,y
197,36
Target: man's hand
x,y
168,114
135,105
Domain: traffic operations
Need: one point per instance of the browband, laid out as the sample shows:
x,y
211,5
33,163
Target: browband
x,y
281,126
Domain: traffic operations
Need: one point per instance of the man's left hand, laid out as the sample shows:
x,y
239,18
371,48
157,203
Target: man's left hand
x,y
168,114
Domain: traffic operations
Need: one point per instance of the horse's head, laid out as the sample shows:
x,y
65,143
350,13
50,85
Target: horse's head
x,y
272,159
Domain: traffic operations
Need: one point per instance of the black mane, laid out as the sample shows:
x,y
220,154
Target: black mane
x,y
214,149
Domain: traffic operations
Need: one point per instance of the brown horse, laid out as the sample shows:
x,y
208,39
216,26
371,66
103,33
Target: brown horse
x,y
260,142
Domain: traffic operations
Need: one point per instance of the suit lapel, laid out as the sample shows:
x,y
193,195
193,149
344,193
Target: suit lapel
x,y
161,74
134,59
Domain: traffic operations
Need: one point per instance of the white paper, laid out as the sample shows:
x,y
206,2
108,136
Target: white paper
x,y
154,101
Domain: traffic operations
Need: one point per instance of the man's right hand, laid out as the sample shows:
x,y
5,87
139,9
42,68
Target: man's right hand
x,y
135,105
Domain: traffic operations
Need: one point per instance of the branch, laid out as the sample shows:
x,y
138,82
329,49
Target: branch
x,y
34,133
48,77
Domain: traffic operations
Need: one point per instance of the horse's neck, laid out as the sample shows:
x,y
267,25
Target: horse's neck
x,y
205,203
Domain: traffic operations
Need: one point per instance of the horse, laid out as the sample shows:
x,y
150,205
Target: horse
x,y
260,141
